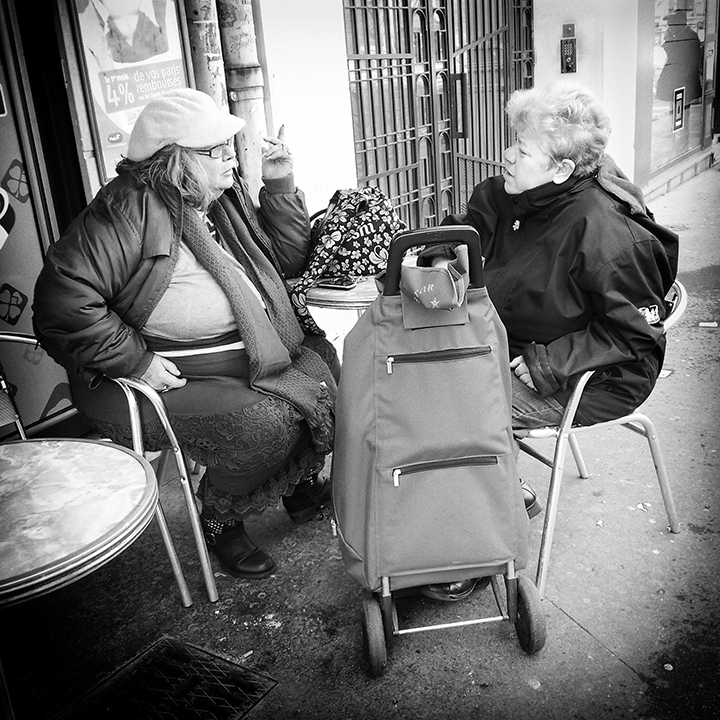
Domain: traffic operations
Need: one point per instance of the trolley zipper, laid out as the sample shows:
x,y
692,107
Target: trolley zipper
x,y
474,460
436,356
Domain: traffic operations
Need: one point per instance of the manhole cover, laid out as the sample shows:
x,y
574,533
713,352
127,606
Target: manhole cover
x,y
175,681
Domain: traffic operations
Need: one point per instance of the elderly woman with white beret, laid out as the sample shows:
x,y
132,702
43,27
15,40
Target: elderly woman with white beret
x,y
172,275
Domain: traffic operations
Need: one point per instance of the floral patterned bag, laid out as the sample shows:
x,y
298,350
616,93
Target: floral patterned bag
x,y
350,239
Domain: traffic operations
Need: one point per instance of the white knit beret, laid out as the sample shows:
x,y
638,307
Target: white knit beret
x,y
184,116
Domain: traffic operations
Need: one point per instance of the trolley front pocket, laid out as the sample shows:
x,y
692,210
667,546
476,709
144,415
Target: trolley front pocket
x,y
445,514
434,356
423,401
430,465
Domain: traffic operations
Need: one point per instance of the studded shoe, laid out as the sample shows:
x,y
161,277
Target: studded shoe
x,y
239,555
308,499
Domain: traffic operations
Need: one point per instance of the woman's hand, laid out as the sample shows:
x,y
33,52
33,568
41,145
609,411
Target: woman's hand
x,y
163,375
518,366
277,160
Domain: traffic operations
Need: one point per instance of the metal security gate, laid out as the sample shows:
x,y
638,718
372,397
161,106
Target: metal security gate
x,y
429,80
493,57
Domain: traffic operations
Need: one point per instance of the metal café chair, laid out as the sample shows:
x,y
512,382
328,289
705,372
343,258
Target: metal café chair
x,y
130,387
565,435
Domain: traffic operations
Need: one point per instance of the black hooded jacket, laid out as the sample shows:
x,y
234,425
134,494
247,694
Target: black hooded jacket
x,y
578,273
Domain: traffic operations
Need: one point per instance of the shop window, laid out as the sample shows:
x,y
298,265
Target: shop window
x,y
677,110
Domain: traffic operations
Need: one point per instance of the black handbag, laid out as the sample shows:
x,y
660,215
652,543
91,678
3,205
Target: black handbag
x,y
350,239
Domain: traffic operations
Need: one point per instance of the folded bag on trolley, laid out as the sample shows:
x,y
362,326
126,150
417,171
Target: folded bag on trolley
x,y
425,484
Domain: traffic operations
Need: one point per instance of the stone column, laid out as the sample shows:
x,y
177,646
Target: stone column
x,y
206,50
245,83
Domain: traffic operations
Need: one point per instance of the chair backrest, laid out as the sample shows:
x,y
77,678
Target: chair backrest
x,y
9,413
676,300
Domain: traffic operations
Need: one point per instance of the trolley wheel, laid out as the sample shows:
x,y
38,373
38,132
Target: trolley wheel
x,y
530,623
373,636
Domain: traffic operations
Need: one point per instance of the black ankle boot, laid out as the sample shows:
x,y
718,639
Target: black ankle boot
x,y
533,506
449,592
308,498
236,551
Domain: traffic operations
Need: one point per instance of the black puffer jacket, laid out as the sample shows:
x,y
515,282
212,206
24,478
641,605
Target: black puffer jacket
x,y
579,281
105,275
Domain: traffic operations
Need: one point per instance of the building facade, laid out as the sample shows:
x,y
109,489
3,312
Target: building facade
x,y
404,94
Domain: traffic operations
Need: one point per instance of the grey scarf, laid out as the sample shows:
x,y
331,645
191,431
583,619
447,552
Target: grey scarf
x,y
280,364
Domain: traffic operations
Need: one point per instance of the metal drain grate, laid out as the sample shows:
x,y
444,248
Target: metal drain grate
x,y
174,681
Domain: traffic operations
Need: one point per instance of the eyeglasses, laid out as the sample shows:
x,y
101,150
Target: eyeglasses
x,y
216,151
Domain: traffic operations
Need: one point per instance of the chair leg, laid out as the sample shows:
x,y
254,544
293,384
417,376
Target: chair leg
x,y
532,452
129,385
184,473
200,543
172,554
662,476
5,703
579,460
189,497
551,513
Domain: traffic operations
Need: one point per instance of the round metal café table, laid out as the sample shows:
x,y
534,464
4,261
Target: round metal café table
x,y
358,298
67,507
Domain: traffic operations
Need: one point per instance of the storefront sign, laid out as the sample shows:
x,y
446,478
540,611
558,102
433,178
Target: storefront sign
x,y
133,51
678,110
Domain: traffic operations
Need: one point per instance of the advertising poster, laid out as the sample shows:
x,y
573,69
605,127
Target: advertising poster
x,y
133,51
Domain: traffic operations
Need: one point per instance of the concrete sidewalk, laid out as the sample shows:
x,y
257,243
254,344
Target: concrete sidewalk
x,y
631,610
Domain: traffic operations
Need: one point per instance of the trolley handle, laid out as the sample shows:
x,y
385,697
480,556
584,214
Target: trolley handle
x,y
404,241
